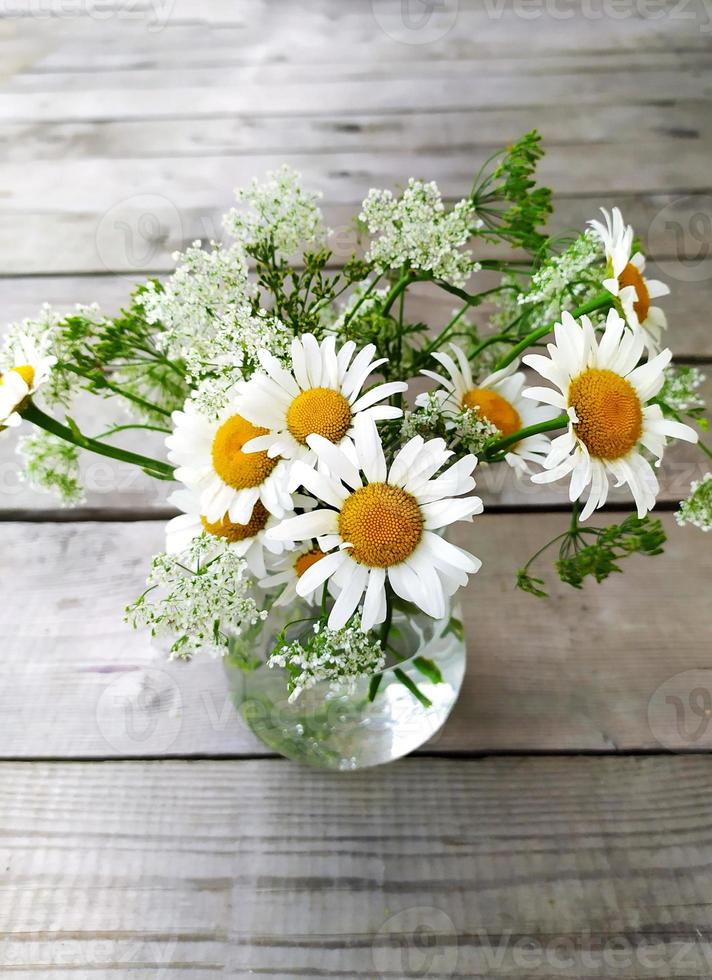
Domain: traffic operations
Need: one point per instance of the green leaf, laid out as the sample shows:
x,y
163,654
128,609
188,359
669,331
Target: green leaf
x,y
412,687
429,669
528,583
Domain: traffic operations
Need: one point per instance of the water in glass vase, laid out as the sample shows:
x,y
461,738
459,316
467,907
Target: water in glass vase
x,y
367,722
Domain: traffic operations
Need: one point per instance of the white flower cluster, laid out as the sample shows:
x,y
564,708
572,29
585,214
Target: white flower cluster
x,y
681,389
339,657
52,465
42,331
207,310
432,418
560,276
277,213
418,230
206,598
697,509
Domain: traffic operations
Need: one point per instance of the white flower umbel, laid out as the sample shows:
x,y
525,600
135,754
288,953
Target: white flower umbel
x,y
206,311
339,657
52,465
417,229
626,280
697,509
382,523
277,213
605,391
208,454
321,394
200,599
286,572
246,540
26,366
498,399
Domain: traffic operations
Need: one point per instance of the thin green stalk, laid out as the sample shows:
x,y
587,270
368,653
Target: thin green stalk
x,y
402,284
134,425
704,448
531,430
103,382
35,415
598,301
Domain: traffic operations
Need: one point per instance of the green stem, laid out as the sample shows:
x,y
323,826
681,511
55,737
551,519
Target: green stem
x,y
35,415
101,382
530,430
135,425
704,448
598,301
402,284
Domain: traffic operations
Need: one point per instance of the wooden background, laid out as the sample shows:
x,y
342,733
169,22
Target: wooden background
x,y
559,824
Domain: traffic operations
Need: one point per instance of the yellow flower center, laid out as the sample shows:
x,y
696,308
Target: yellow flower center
x,y
632,277
238,469
609,412
26,372
382,523
495,409
319,410
306,561
237,532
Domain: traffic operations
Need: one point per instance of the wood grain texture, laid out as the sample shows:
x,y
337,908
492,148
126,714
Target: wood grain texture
x,y
570,867
586,670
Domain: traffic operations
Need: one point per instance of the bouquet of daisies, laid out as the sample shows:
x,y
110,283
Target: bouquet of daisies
x,y
306,473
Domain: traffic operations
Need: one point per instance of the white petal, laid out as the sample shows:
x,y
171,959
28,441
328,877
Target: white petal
x,y
374,605
378,393
349,597
305,526
319,572
336,460
369,449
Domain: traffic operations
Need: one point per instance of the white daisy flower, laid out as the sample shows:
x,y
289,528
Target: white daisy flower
x,y
29,368
210,460
286,572
496,398
383,524
321,395
626,281
248,540
604,392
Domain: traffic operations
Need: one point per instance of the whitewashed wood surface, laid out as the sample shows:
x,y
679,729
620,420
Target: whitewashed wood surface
x,y
558,826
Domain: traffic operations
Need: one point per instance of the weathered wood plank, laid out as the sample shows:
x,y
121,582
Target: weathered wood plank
x,y
663,130
586,670
360,95
443,869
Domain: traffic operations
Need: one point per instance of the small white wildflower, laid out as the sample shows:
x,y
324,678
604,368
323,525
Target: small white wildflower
x,y
52,465
205,599
278,213
418,230
681,389
339,657
697,509
432,419
207,311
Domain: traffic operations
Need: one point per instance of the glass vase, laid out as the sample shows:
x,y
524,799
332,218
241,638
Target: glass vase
x,y
352,725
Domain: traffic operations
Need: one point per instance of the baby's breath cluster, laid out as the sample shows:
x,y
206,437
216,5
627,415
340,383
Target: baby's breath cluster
x,y
697,509
338,657
204,597
276,212
416,229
